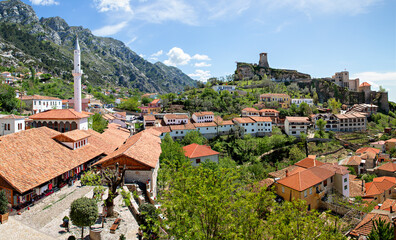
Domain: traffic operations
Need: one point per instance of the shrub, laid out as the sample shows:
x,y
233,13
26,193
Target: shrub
x,y
3,202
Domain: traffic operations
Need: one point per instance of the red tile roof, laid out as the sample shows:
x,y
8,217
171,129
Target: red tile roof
x,y
155,101
243,120
305,179
195,150
353,161
274,95
164,129
269,110
202,114
250,110
379,186
73,136
143,147
58,114
149,118
389,167
365,226
298,119
365,84
387,204
12,116
393,140
176,116
308,162
30,158
38,97
261,119
368,149
205,124
220,122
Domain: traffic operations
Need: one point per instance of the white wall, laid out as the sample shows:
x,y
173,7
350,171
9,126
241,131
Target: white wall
x,y
299,128
202,119
13,125
264,127
82,124
212,158
43,105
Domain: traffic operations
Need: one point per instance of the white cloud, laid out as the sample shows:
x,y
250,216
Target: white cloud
x,y
164,10
200,75
202,64
44,2
131,41
157,54
113,5
110,29
176,56
376,79
201,57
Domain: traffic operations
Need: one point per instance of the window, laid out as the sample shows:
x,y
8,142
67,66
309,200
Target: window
x,y
331,179
181,132
198,161
345,179
325,183
345,187
390,191
310,191
305,193
283,189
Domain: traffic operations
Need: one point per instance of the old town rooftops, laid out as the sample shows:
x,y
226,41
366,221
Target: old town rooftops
x,y
32,157
38,97
143,147
57,114
195,150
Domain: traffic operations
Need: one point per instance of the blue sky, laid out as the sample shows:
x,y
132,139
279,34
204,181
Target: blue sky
x,y
205,38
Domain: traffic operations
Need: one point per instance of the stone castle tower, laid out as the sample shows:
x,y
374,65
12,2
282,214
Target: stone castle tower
x,y
77,73
263,62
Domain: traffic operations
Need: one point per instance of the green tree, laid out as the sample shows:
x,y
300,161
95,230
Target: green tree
x,y
194,137
334,105
381,230
321,125
150,224
146,100
131,104
83,213
3,202
98,123
295,154
8,100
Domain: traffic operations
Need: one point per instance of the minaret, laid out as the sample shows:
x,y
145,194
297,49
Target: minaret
x,y
77,72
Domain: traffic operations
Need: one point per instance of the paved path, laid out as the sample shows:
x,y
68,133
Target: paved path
x,y
16,230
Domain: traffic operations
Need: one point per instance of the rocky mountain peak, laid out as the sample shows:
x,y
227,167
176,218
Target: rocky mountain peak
x,y
55,23
15,11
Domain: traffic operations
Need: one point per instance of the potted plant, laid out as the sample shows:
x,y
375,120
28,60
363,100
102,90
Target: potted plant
x,y
3,207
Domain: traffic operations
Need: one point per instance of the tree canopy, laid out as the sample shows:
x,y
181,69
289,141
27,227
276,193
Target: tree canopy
x,y
83,213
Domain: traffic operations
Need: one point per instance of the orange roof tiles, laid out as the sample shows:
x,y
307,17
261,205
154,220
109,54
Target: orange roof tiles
x,y
261,119
30,158
365,226
149,118
365,84
298,119
74,135
220,122
368,149
305,179
379,186
282,172
57,114
12,116
308,162
243,120
205,124
393,140
389,167
202,114
176,116
250,110
274,95
121,113
353,161
335,168
387,204
38,97
143,147
195,150
163,129
155,101
269,110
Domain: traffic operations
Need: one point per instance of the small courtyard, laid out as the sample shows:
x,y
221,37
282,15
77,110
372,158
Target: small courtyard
x,y
44,219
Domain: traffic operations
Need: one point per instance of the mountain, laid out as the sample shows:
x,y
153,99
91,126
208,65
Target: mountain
x,y
48,44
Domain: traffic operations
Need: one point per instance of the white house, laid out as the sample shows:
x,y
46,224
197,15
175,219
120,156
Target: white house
x,y
148,121
201,117
175,119
229,88
11,124
224,127
294,126
246,112
37,103
200,153
331,121
248,124
62,120
352,122
298,101
179,131
207,129
263,124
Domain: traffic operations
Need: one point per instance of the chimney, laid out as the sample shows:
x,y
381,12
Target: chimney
x,y
287,173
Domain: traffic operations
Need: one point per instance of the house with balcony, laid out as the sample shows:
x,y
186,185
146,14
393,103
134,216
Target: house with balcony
x,y
331,121
273,99
294,126
37,103
202,117
248,124
247,112
263,125
298,101
224,127
176,119
313,183
352,122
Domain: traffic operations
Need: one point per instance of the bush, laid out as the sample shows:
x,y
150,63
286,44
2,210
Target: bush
x,y
3,202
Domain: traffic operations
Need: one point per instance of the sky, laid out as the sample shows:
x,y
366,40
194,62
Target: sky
x,y
205,38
